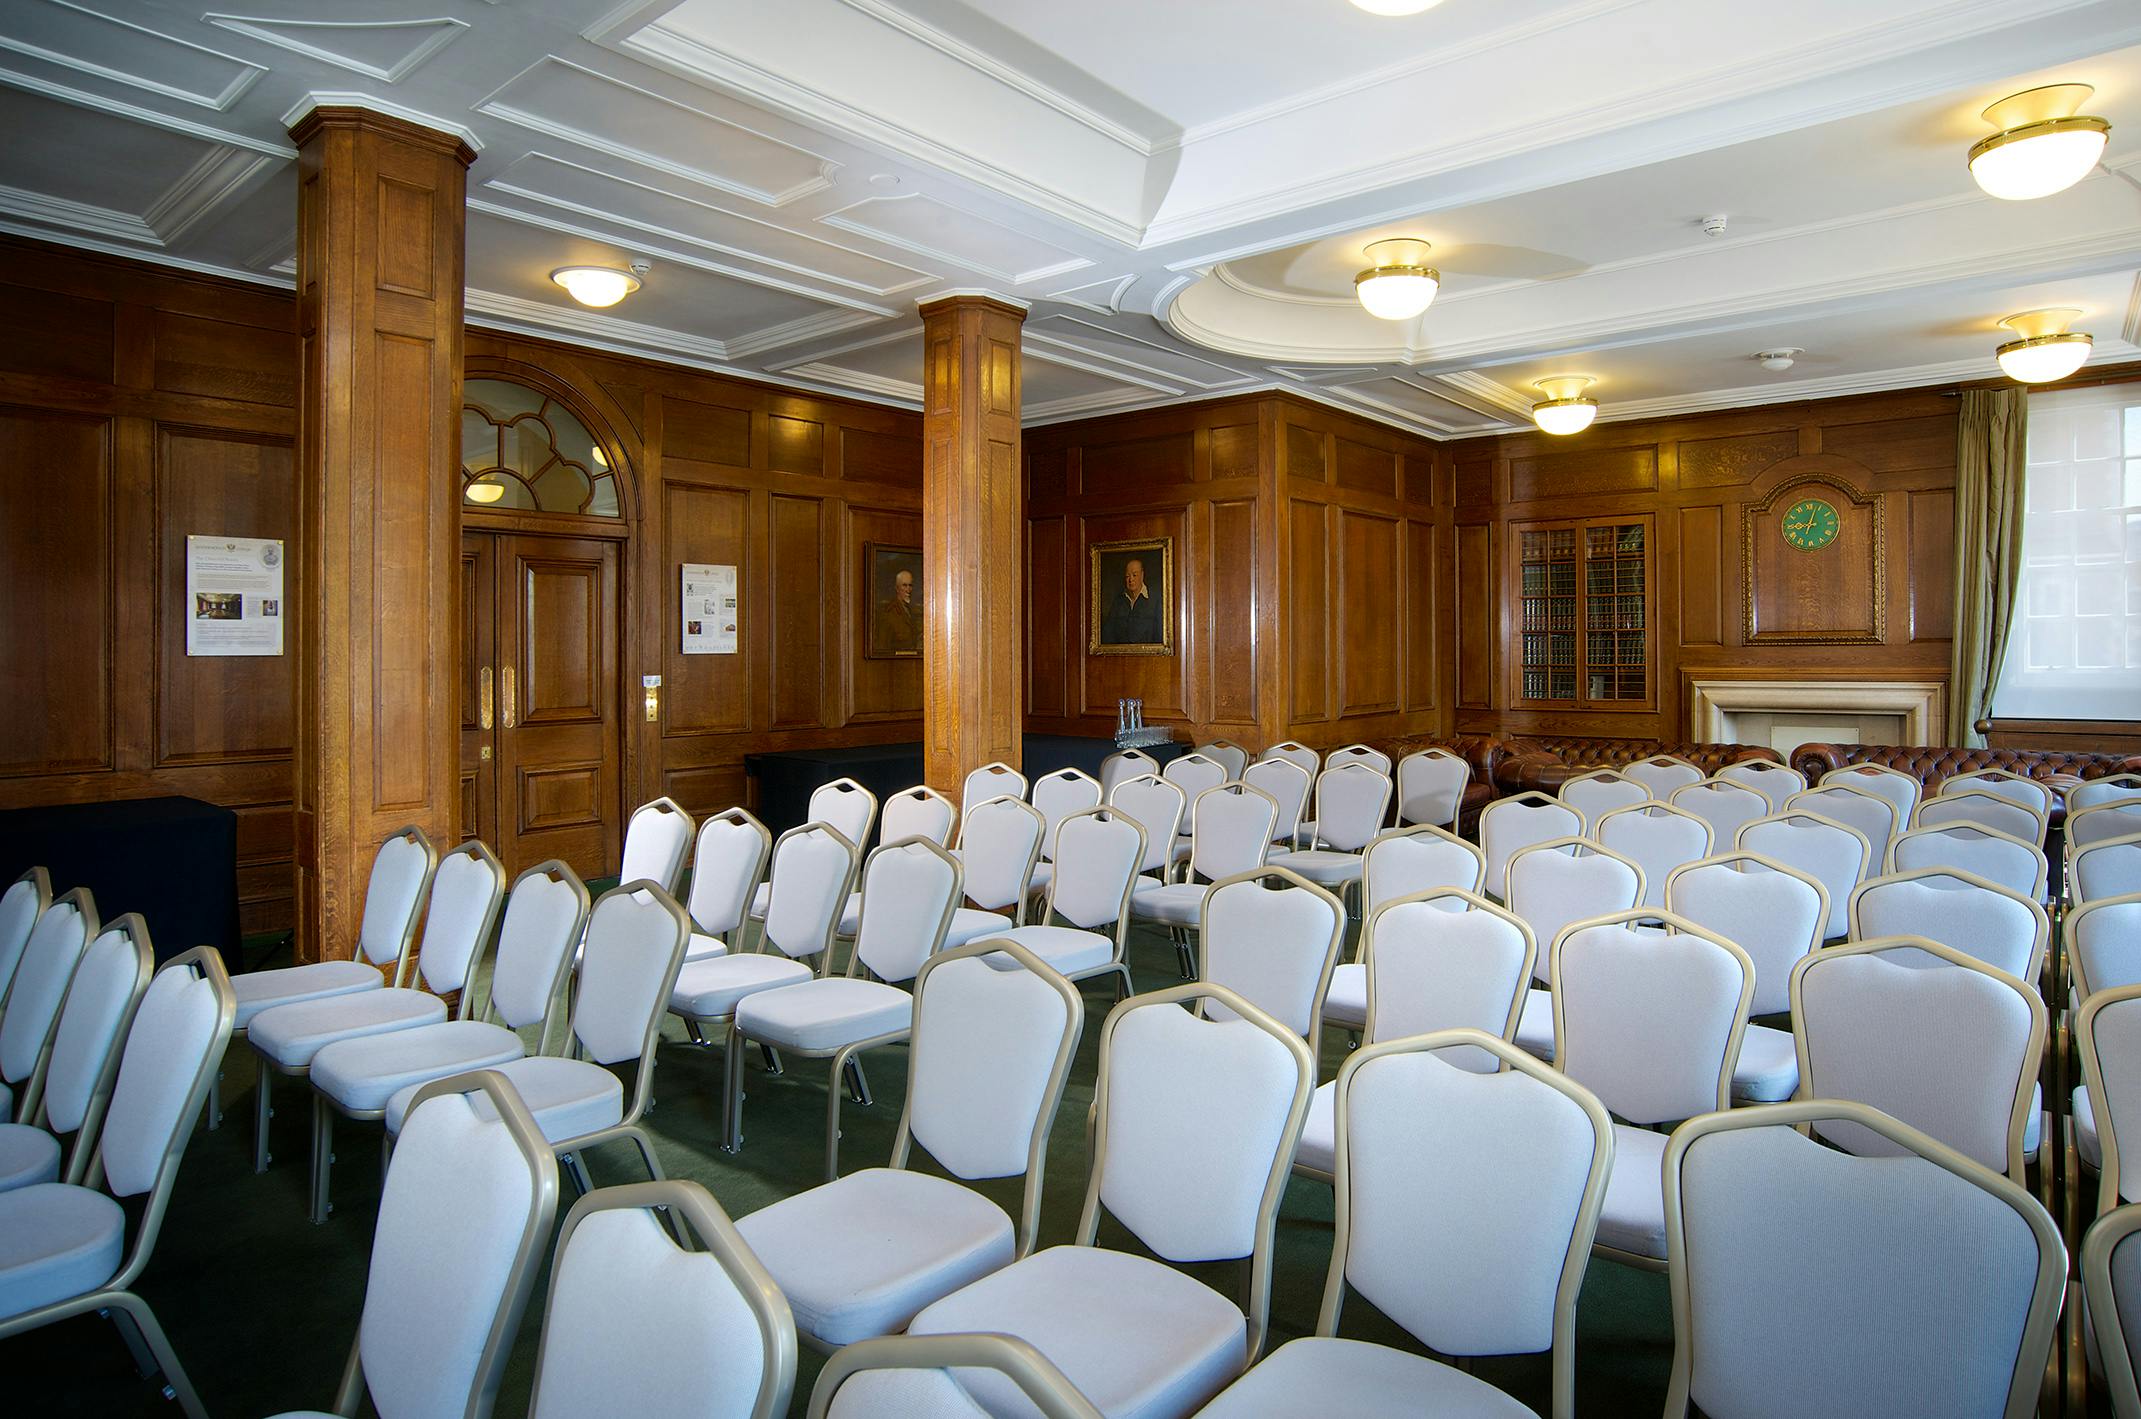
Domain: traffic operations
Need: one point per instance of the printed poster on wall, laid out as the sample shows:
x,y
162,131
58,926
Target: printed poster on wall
x,y
234,600
710,614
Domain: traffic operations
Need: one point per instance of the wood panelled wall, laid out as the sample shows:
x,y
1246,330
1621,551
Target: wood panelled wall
x,y
1729,600
786,487
137,406
1312,578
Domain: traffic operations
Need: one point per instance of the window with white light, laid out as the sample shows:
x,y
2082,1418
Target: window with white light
x,y
2074,651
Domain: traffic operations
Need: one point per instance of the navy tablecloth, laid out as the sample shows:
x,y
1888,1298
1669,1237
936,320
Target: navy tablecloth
x,y
174,860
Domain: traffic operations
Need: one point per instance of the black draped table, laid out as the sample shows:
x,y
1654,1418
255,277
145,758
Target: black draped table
x,y
174,860
788,778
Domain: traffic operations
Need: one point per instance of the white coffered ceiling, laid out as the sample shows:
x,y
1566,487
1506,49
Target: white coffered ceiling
x,y
1180,190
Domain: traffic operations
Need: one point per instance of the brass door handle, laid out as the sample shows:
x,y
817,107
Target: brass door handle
x,y
483,697
508,673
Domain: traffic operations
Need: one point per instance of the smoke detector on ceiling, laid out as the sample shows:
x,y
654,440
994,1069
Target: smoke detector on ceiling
x,y
1714,226
1778,359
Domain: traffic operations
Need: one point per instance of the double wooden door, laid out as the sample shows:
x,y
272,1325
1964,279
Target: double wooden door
x,y
540,700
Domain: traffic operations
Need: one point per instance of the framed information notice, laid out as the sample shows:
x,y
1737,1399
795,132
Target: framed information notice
x,y
234,600
710,611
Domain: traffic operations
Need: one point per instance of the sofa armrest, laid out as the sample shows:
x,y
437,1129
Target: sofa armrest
x,y
1532,770
1814,760
1754,754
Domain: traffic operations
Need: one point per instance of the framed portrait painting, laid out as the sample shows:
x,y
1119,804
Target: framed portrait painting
x,y
892,581
1131,586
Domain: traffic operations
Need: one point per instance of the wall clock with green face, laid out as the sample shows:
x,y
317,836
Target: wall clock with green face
x,y
1810,525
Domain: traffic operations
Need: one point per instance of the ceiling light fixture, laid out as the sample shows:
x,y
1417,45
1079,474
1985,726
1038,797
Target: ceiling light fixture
x,y
1400,284
599,286
1396,7
486,489
1779,359
2045,143
1566,409
2045,349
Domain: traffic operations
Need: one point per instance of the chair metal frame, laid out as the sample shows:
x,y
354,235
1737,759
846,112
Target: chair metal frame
x,y
680,1201
117,1294
1047,1388
2040,1328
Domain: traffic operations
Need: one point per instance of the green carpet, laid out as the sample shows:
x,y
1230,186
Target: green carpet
x,y
261,1305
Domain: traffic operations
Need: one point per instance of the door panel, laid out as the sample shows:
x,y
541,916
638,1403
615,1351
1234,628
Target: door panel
x,y
479,691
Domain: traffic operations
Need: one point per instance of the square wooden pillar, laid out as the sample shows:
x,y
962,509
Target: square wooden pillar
x,y
380,215
973,539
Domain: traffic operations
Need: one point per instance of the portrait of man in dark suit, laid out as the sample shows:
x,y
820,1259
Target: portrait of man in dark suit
x,y
1131,610
895,603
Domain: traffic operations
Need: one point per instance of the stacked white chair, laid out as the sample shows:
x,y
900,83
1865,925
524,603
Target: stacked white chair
x,y
1871,814
850,810
1444,959
1101,849
1832,853
994,1033
1290,786
813,874
20,906
1351,803
1601,791
1773,781
1194,1125
1988,810
999,847
1927,1034
545,918
1401,862
656,839
107,987
1123,765
916,1377
1663,774
1431,788
1996,857
635,943
1273,938
2109,867
992,780
1229,755
1776,914
1915,1282
1055,797
1956,908
909,891
728,863
1467,1205
1554,883
1509,825
62,933
640,1325
1656,837
464,1217
1726,805
466,891
1651,1024
1233,836
2111,1282
66,1252
1900,790
1157,806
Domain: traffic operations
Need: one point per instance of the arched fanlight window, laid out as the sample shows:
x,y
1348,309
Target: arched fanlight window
x,y
524,450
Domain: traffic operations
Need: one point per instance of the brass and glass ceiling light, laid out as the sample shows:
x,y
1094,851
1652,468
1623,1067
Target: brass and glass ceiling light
x,y
596,286
2043,348
2045,143
1566,408
1400,284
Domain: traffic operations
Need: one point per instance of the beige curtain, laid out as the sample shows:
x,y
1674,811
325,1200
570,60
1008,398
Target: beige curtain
x,y
1989,469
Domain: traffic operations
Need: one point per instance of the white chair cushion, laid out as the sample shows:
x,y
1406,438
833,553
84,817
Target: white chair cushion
x,y
292,1034
1768,1068
1319,1136
1170,904
704,948
263,990
1322,866
760,900
56,1241
1043,874
28,1156
860,1256
569,1098
708,990
1346,1002
825,1014
2086,1143
971,925
1066,948
1324,1376
1535,1027
1633,1217
363,1073
1136,1337
851,915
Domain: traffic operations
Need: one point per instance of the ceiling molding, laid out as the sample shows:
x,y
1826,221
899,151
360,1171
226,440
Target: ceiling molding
x,y
78,217
221,175
248,72
118,108
375,104
291,35
881,388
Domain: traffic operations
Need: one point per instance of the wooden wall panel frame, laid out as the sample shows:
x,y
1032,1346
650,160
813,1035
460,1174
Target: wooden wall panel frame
x,y
1790,481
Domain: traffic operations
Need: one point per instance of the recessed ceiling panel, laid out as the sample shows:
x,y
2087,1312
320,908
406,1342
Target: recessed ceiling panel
x,y
928,227
1158,356
55,33
387,50
107,165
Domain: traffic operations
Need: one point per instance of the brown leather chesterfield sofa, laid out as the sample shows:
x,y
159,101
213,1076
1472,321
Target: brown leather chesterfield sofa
x,y
1543,763
1933,763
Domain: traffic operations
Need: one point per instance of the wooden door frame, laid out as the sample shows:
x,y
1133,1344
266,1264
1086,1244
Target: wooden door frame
x,y
634,646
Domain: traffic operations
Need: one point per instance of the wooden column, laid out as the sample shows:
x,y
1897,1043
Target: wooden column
x,y
973,531
379,284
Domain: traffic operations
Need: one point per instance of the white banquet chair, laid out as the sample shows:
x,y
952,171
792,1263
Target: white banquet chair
x,y
1273,938
1990,854
1988,810
1663,773
1290,787
1834,854
991,780
62,933
20,906
1775,914
1055,797
1656,837
999,848
1959,909
1601,791
2111,1282
1230,755
1509,825
657,838
1725,805
1351,804
848,809
1872,815
1773,781
917,1377
1401,862
1550,885
1233,836
1100,852
1431,788
1901,790
728,862
2108,867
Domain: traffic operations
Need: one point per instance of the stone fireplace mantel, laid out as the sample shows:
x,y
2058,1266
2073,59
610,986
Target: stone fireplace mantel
x,y
1922,705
